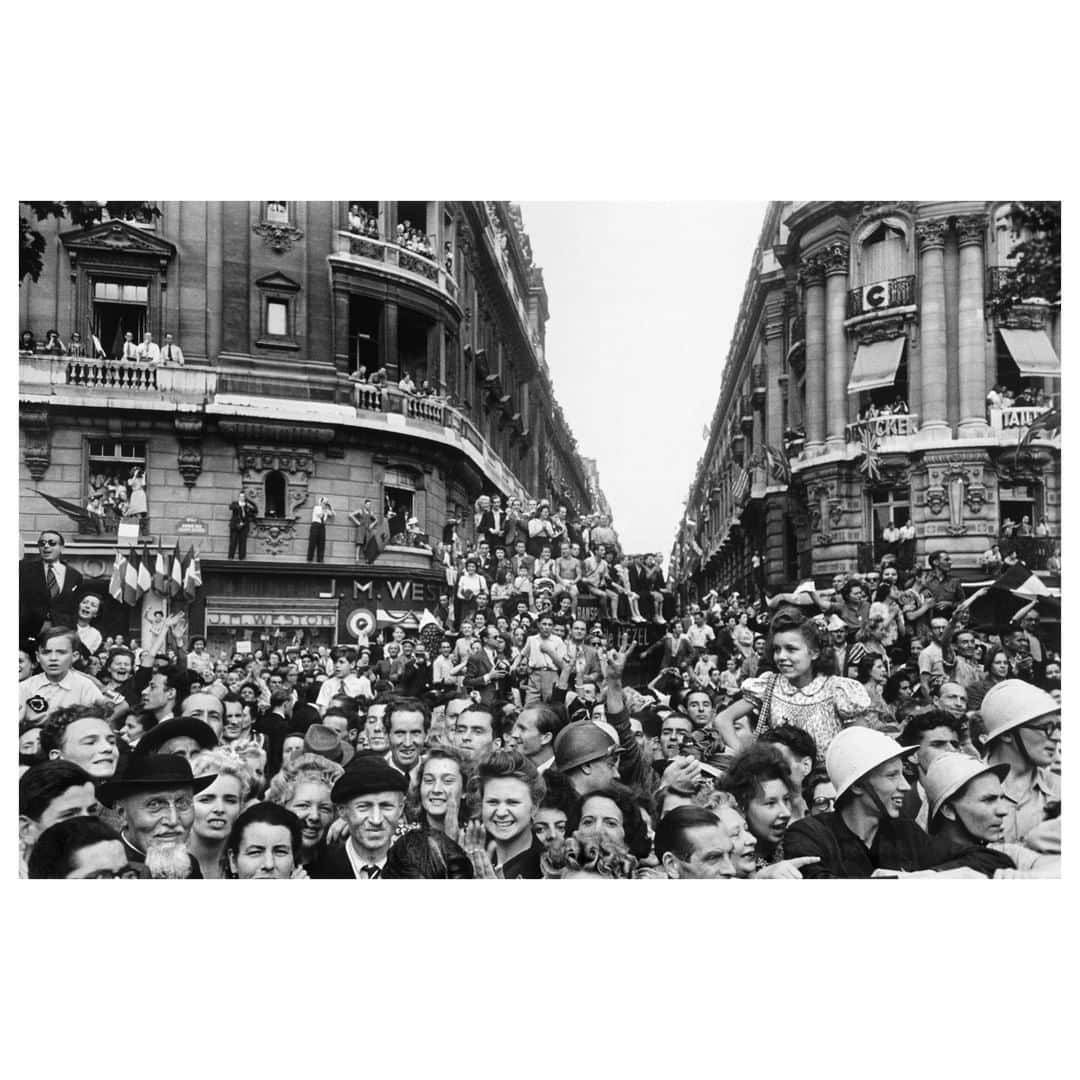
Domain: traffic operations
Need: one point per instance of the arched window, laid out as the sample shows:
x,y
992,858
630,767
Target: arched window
x,y
883,252
274,488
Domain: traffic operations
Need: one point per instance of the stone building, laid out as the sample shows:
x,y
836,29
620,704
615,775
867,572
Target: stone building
x,y
275,306
862,386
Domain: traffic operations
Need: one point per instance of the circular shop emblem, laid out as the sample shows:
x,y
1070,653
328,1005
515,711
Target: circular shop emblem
x,y
360,620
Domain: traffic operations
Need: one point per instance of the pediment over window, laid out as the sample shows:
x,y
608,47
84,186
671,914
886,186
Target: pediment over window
x,y
278,282
118,237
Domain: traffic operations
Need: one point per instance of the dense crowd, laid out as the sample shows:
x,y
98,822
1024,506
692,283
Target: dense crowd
x,y
868,729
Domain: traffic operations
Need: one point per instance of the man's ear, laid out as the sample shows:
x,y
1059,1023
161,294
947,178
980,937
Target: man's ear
x,y
948,812
29,830
670,864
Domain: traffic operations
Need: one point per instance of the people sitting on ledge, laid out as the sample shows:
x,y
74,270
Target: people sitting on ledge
x,y
897,407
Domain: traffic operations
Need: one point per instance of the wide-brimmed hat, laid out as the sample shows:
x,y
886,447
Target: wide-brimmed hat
x,y
176,728
325,741
155,772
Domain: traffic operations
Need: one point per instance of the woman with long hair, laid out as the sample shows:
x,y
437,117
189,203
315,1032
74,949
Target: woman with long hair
x,y
216,809
873,675
802,691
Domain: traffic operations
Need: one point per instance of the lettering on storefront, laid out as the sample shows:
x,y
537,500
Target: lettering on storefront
x,y
399,591
238,618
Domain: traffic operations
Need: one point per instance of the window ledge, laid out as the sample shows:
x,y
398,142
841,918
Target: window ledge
x,y
286,344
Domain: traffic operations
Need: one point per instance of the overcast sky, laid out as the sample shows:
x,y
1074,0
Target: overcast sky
x,y
643,300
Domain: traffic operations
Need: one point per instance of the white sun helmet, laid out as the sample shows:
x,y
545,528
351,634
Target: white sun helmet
x,y
856,751
951,772
1012,703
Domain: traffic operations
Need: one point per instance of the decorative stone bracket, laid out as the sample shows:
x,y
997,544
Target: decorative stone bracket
x,y
189,457
37,449
280,238
955,481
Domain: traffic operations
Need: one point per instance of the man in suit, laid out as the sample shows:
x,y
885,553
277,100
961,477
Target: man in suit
x,y
47,588
480,671
588,671
370,798
242,512
171,353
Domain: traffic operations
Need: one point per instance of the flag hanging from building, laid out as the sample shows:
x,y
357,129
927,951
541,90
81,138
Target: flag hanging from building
x,y
145,575
131,577
116,582
192,574
378,538
175,585
779,466
869,455
741,485
161,573
1046,425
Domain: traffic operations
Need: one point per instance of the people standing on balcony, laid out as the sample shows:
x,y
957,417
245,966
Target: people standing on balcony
x,y
27,343
136,503
129,351
1024,528
407,384
148,352
242,512
53,344
541,530
994,398
171,353
321,513
907,545
890,537
76,348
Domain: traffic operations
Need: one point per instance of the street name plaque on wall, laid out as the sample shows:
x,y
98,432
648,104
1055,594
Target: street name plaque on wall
x,y
190,526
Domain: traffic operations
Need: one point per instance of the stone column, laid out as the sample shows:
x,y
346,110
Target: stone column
x,y
836,354
932,339
388,342
814,278
969,235
774,347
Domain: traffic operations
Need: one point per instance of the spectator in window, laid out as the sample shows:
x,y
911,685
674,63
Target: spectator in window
x,y
171,353
356,219
27,344
76,348
407,384
129,351
53,344
994,397
148,352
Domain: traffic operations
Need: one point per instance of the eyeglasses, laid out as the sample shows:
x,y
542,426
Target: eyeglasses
x,y
128,872
823,802
159,806
1046,729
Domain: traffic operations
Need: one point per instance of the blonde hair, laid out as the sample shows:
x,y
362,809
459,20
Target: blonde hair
x,y
303,767
220,763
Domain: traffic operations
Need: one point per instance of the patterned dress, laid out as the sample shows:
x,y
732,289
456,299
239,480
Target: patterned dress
x,y
823,707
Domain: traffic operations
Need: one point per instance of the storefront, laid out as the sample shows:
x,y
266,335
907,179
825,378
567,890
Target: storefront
x,y
269,623
380,603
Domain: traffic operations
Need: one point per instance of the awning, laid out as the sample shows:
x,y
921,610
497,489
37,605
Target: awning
x,y
875,365
1033,353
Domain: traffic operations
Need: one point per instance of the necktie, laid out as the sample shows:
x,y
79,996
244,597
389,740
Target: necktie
x,y
168,350
54,585
371,872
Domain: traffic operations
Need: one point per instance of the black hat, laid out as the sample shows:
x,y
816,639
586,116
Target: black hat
x,y
155,772
174,728
367,774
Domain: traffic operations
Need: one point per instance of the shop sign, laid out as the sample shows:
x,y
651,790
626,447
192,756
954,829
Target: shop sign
x,y
397,593
268,618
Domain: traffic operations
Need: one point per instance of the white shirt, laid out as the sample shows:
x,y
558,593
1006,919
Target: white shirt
x,y
358,862
38,697
353,685
171,353
149,351
538,659
59,569
320,514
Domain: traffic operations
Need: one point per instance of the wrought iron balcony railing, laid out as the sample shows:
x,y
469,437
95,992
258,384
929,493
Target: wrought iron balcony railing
x,y
881,296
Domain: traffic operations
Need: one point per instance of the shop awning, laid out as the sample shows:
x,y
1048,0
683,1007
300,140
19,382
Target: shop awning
x,y
1033,353
875,365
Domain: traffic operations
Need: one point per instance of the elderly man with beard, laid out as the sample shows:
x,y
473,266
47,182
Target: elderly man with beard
x,y
370,799
155,802
865,836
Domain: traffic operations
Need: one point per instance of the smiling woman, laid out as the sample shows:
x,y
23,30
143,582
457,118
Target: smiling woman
x,y
508,789
216,809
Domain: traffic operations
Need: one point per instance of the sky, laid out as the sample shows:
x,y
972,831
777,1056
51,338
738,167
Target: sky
x,y
643,299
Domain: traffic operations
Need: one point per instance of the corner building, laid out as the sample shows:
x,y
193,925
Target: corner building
x,y
848,310
274,305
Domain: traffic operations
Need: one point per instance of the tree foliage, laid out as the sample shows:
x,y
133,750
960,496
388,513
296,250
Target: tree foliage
x,y
81,214
1037,271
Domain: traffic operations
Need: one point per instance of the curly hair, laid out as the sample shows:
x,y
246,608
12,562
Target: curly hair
x,y
786,621
755,766
634,832
54,728
503,765
587,852
219,763
303,767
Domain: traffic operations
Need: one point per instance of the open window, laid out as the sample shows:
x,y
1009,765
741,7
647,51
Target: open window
x,y
119,306
414,344
398,507
111,464
275,491
276,212
365,322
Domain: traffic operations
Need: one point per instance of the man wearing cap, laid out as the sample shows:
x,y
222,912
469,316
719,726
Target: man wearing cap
x,y
865,836
1023,727
587,756
968,805
156,804
370,799
182,735
837,640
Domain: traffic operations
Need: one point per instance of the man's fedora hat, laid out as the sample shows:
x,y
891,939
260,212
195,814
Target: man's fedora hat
x,y
155,772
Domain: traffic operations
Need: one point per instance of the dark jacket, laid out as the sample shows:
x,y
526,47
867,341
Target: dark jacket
x,y
36,606
242,518
527,864
898,845
332,863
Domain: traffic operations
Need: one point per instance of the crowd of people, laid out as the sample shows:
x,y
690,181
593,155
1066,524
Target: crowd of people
x,y
864,730
125,349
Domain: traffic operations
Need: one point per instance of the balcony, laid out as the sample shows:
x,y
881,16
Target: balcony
x,y
359,249
881,296
1035,552
896,426
746,414
998,280
1015,421
251,395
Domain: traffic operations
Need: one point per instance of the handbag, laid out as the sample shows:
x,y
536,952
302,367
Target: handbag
x,y
762,724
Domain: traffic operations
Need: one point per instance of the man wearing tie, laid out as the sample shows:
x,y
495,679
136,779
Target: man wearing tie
x,y
241,514
370,798
171,353
480,671
129,351
47,589
343,681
